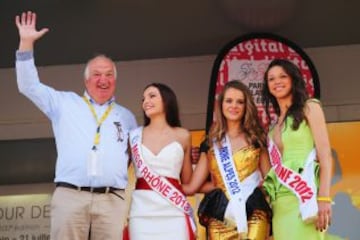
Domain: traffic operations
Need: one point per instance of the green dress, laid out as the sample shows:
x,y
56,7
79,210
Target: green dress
x,y
287,222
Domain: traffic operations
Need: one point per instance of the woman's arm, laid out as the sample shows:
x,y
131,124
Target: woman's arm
x,y
198,177
264,163
207,187
316,120
186,171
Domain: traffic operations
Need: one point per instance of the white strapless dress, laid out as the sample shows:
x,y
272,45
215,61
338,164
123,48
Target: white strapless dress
x,y
151,216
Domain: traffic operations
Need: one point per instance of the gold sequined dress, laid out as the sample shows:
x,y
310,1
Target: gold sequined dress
x,y
246,162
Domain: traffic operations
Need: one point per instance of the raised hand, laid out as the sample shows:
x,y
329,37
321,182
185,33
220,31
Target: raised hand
x,y
26,24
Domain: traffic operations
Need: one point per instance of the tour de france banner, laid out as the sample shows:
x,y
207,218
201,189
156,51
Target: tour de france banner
x,y
246,58
25,217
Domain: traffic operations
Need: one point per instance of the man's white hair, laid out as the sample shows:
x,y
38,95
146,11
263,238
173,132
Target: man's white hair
x,y
87,70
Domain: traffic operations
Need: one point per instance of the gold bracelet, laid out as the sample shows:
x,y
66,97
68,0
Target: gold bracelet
x,y
325,199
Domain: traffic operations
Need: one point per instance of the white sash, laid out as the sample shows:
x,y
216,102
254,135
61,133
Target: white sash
x,y
239,191
158,183
302,185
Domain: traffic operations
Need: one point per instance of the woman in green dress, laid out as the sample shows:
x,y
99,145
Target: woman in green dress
x,y
298,130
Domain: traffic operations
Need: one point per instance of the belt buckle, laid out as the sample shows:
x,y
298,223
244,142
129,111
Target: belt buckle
x,y
107,190
91,189
78,188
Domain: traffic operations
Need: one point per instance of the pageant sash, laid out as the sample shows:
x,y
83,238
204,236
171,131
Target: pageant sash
x,y
238,191
160,184
302,185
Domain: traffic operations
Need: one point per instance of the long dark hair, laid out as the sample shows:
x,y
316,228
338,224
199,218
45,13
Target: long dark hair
x,y
169,100
250,122
298,92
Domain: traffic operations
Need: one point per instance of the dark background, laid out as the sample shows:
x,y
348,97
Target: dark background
x,y
144,29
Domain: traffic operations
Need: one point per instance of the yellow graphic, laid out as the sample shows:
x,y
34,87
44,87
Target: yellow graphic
x,y
344,138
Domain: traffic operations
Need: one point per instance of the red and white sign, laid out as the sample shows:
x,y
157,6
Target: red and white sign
x,y
246,59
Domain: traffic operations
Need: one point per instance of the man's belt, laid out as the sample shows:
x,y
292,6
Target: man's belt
x,y
90,189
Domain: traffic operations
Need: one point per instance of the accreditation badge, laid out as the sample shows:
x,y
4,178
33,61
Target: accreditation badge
x,y
94,164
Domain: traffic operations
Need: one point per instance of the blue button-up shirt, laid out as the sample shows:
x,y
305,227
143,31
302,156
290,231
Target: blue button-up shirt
x,y
74,129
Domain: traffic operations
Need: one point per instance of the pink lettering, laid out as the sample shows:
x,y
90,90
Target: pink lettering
x,y
139,163
148,177
166,190
301,188
306,189
275,157
144,171
306,197
135,152
293,183
301,185
161,186
282,173
287,175
155,182
278,169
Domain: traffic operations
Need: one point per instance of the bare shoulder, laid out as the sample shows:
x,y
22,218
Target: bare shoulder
x,y
314,114
183,135
312,106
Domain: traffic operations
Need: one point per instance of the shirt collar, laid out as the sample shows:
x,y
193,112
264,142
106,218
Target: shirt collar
x,y
92,101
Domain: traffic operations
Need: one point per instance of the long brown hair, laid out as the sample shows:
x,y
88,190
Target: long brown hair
x,y
298,92
249,123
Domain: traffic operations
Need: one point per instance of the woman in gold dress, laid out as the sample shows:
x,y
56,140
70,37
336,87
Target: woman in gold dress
x,y
235,155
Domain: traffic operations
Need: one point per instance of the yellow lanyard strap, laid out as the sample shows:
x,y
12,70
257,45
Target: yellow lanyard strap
x,y
98,122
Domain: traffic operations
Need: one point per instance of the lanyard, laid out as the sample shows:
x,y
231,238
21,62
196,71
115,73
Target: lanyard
x,y
98,121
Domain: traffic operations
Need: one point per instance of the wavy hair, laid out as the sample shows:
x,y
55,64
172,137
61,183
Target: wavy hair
x,y
298,92
249,123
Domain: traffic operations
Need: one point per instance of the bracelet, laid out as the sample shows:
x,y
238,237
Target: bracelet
x,y
325,199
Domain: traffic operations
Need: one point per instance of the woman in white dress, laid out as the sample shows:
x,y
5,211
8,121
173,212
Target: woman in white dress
x,y
163,151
